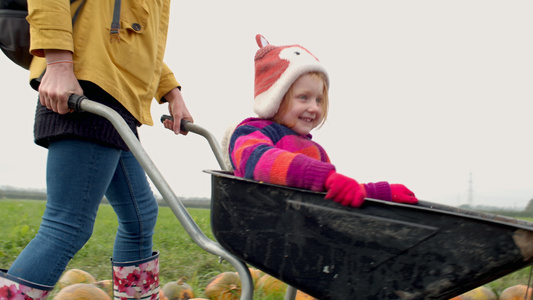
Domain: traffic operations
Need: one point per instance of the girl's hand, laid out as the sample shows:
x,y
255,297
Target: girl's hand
x,y
178,110
401,194
344,190
59,81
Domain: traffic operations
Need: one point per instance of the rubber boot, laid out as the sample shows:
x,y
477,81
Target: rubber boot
x,y
136,279
12,288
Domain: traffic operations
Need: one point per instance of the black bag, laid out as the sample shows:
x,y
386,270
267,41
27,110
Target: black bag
x,y
15,31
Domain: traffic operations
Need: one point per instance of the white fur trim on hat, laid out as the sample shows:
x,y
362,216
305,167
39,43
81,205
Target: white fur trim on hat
x,y
276,69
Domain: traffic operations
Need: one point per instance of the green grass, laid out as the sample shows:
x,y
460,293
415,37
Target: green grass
x,y
180,256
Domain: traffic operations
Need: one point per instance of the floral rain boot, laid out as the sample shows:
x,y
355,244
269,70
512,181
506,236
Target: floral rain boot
x,y
14,288
136,279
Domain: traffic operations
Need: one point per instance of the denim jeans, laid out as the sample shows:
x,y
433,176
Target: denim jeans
x,y
79,173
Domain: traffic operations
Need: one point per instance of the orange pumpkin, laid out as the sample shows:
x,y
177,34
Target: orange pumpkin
x,y
73,276
270,285
162,295
479,293
256,274
303,296
177,290
81,291
106,286
516,292
224,286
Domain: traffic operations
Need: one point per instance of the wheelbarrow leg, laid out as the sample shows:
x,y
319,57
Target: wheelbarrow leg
x,y
291,293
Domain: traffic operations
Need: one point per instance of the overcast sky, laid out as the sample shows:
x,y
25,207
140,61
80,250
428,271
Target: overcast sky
x,y
436,95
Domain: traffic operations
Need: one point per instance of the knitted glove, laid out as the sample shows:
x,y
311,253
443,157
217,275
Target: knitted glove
x,y
401,194
379,190
344,190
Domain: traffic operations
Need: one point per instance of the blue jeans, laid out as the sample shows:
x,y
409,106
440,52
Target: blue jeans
x,y
79,174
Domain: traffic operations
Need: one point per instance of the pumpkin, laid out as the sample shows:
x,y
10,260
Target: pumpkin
x,y
162,295
177,290
106,286
303,296
81,291
270,285
516,292
224,286
73,276
480,293
256,274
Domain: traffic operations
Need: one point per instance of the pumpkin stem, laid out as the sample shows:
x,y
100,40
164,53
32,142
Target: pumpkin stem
x,y
181,280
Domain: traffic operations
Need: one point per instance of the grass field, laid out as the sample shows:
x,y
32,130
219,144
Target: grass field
x,y
180,256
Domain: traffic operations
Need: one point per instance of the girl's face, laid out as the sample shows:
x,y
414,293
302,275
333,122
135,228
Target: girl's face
x,y
305,110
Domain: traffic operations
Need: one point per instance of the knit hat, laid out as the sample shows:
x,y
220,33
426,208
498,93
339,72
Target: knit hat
x,y
276,69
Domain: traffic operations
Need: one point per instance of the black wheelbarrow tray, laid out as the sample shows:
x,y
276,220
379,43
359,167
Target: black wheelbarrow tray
x,y
382,250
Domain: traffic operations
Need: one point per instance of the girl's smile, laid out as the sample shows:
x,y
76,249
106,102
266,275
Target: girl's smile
x,y
305,110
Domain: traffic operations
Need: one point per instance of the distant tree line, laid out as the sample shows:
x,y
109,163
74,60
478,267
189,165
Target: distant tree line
x,y
18,193
193,202
40,194
527,212
198,202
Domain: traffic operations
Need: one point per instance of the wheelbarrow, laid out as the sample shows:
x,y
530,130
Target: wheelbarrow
x,y
381,250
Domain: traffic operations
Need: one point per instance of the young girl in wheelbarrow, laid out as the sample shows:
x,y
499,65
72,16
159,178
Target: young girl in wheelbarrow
x,y
291,99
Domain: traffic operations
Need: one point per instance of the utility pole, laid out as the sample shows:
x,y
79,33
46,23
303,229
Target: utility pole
x,y
470,192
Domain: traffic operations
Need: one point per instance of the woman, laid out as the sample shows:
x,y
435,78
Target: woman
x,y
114,56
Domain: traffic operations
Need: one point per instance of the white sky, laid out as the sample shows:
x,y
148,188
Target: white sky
x,y
423,93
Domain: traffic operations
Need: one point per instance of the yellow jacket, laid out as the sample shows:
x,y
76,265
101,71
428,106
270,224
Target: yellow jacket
x,y
131,70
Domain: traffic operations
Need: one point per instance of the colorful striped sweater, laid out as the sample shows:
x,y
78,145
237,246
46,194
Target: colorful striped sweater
x,y
266,151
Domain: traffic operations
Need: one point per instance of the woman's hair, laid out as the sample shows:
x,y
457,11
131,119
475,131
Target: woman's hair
x,y
286,103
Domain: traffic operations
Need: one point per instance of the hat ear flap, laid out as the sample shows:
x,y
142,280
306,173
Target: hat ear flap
x,y
261,41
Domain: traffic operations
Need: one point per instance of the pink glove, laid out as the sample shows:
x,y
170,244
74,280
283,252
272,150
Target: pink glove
x,y
401,194
344,190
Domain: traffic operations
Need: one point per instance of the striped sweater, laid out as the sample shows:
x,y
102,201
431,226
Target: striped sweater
x,y
266,151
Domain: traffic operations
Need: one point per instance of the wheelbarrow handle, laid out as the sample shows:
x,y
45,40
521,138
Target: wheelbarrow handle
x,y
213,143
183,123
74,102
82,103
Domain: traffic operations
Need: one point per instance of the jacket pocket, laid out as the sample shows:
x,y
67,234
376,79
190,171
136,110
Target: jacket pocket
x,y
134,16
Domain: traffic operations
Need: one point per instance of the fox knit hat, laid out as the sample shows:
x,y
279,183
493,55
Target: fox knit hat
x,y
276,69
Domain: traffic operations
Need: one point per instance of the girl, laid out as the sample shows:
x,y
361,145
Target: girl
x,y
291,99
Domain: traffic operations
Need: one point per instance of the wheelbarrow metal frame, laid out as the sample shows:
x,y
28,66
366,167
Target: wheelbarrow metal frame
x,y
82,103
